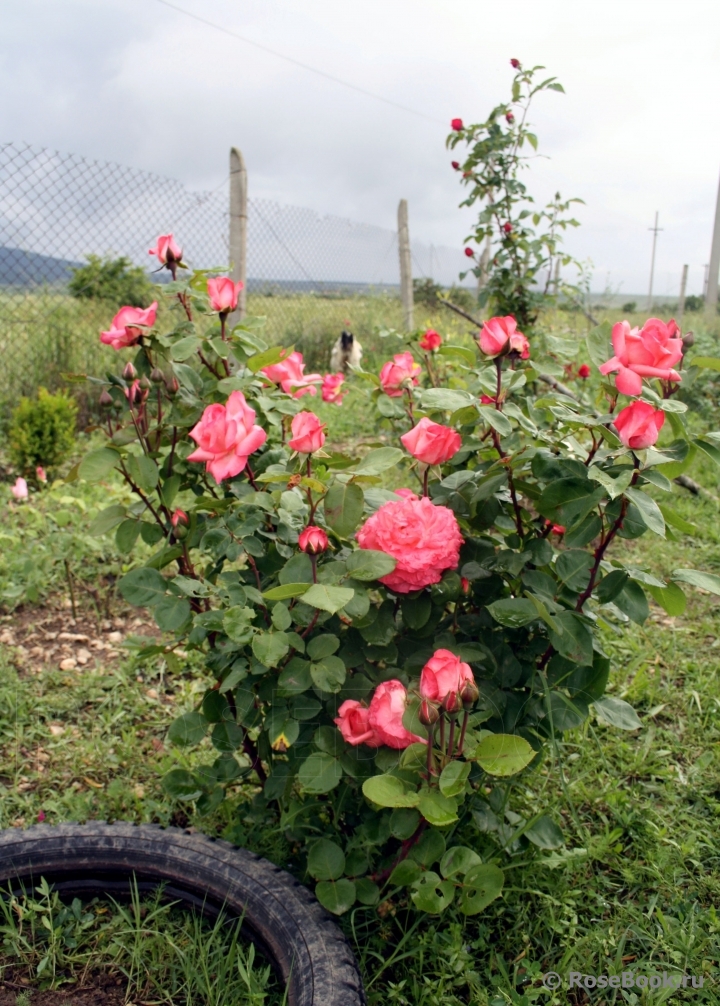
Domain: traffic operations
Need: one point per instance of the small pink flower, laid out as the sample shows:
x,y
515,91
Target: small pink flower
x,y
166,249
226,436
639,425
584,371
507,227
519,344
136,394
651,351
331,386
352,722
487,400
456,124
40,474
469,252
510,117
500,335
442,674
455,164
289,375
20,489
385,715
431,341
399,374
223,294
465,585
128,325
432,443
313,540
308,433
515,63
179,517
41,816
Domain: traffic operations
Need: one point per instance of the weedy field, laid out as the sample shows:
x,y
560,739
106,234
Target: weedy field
x,y
634,879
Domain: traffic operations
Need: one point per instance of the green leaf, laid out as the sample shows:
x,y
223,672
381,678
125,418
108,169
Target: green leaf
x,y
671,598
237,623
367,564
227,736
181,785
445,399
494,418
389,791
545,833
379,460
98,463
675,520
649,510
188,729
436,808
617,713
107,519
706,362
337,896
171,612
431,894
270,647
453,778
599,345
326,860
366,892
568,501
611,585
295,677
266,359
457,860
281,617
184,348
513,611
404,822
322,646
482,884
576,641
468,356
143,471
126,535
343,507
573,568
285,591
416,610
503,754
143,587
405,873
632,602
327,598
320,773
705,581
328,674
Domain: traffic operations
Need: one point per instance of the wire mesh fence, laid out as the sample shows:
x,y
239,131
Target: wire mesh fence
x,y
310,274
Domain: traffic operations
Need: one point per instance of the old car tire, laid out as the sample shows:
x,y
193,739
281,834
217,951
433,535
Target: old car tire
x,y
304,944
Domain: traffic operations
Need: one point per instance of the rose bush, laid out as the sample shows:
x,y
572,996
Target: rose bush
x,y
384,661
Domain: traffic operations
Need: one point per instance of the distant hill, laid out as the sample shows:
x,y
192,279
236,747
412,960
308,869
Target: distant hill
x,y
23,269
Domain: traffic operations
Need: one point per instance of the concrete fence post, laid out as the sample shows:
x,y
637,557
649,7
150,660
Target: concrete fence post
x,y
683,291
238,230
711,298
406,287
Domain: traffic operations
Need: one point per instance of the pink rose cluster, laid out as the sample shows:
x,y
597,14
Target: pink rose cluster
x,y
226,436
290,375
399,375
500,336
423,539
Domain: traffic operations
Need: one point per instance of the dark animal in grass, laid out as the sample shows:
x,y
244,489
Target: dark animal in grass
x,y
346,353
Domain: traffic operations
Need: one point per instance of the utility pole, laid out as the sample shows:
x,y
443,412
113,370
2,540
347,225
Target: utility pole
x,y
683,289
406,287
238,230
655,231
714,265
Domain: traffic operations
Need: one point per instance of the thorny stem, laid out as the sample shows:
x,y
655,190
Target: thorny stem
x,y
172,450
410,413
425,480
442,731
251,477
463,729
430,759
252,752
313,563
403,854
511,485
312,624
451,738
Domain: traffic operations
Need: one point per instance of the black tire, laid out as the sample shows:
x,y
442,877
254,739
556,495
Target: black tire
x,y
304,944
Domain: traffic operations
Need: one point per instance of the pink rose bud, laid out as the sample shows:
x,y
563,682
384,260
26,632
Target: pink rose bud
x,y
510,117
20,489
166,249
41,816
172,385
399,375
465,585
651,351
487,400
639,425
406,494
558,529
584,371
157,376
467,174
40,474
432,443
442,674
515,63
128,325
452,704
313,540
688,341
431,341
428,714
507,227
308,433
469,694
134,393
223,294
179,517
469,252
226,437
105,400
331,388
385,715
497,335
289,374
455,164
457,125
353,723
129,372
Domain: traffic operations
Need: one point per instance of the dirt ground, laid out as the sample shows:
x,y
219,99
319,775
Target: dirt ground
x,y
95,990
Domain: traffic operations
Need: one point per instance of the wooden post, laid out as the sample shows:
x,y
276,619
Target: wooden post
x,y
714,266
238,231
683,290
406,288
655,231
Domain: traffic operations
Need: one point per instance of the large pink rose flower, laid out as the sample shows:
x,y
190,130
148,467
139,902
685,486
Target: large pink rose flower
x,y
500,335
639,425
167,249
398,374
444,673
226,436
423,539
385,715
223,294
128,325
289,374
651,351
353,723
332,388
432,443
308,433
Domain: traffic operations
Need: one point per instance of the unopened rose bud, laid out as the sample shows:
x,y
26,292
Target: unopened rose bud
x,y
465,585
510,117
172,385
105,400
469,694
157,376
313,540
457,125
451,703
456,165
584,371
144,383
179,517
41,474
508,228
515,64
428,714
689,341
129,373
469,252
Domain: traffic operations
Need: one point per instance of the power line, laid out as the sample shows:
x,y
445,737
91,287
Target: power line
x,y
297,62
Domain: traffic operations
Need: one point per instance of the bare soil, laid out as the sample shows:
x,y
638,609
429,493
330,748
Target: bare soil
x,y
95,990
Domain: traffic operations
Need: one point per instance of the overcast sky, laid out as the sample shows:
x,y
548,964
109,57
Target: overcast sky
x,y
638,130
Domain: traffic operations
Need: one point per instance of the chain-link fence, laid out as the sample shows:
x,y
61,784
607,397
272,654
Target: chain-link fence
x,y
311,275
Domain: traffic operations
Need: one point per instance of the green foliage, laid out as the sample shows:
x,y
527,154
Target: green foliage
x,y
426,292
116,281
42,431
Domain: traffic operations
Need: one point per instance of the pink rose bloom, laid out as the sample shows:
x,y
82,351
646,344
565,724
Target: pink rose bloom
x,y
639,425
443,673
651,351
456,124
352,722
385,715
41,474
289,375
431,341
406,494
331,388
432,443
223,294
398,374
500,335
167,249
128,325
423,539
179,517
226,436
313,540
20,489
308,433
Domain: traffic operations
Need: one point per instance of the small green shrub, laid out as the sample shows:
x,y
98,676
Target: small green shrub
x,y
115,280
42,431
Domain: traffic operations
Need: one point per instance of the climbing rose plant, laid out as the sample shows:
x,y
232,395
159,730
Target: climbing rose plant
x,y
384,662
